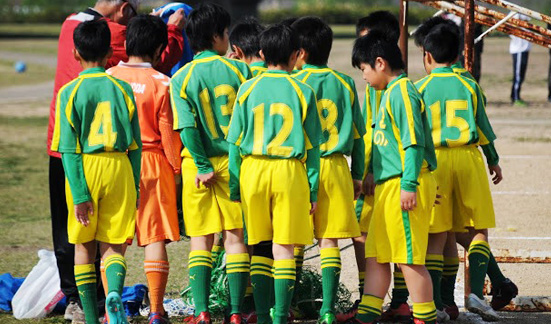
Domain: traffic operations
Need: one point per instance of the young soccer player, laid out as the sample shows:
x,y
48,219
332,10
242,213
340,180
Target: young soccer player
x,y
276,127
245,43
403,155
203,94
157,218
343,128
96,124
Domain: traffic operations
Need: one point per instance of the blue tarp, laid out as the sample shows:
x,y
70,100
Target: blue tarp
x,y
8,288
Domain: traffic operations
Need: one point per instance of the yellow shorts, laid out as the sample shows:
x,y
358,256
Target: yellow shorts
x,y
335,217
111,185
364,211
399,236
463,184
275,195
209,210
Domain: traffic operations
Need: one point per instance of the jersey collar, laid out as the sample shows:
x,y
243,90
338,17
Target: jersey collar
x,y
279,72
457,65
98,69
315,67
204,54
444,69
401,76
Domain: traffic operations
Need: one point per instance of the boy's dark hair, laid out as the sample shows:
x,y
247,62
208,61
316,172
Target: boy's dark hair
x,y
205,22
288,21
277,43
315,37
443,43
246,36
144,35
424,29
92,40
383,21
373,45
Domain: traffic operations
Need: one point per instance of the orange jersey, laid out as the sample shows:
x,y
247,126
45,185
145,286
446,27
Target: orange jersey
x,y
151,90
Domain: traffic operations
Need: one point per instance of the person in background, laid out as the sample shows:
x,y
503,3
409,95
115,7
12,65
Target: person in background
x,y
519,49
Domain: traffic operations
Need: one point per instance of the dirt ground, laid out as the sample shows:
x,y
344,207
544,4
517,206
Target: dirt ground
x,y
522,200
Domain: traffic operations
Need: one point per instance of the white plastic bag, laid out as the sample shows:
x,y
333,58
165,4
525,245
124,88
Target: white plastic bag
x,y
40,291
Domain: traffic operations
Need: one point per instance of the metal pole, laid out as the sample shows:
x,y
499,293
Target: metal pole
x,y
514,7
469,35
489,30
404,32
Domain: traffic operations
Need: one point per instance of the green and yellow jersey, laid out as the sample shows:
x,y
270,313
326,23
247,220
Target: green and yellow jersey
x,y
459,69
202,95
370,108
95,113
257,68
456,109
401,127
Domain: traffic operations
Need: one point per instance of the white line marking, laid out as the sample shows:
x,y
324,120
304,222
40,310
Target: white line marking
x,y
526,156
520,238
522,193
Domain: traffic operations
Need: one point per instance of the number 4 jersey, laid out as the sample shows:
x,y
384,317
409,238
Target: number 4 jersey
x,y
96,113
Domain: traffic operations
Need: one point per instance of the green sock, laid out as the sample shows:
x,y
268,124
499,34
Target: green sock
x,y
85,278
425,312
435,265
330,274
370,308
115,271
284,285
479,254
262,281
237,269
361,281
449,276
200,266
400,291
494,272
299,260
215,252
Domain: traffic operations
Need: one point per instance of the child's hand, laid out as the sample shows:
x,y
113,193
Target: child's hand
x,y
357,188
369,185
178,18
495,172
408,200
314,207
207,179
82,210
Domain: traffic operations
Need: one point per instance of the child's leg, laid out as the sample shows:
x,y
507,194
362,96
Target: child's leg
x,y
284,280
359,252
479,255
298,252
262,280
376,286
85,278
420,287
200,266
217,247
115,266
435,264
449,273
330,273
237,267
400,291
156,268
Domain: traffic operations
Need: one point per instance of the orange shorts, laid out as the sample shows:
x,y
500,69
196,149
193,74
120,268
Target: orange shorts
x,y
157,218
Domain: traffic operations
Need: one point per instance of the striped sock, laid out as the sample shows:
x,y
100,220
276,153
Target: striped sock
x,y
262,281
370,308
156,272
299,259
85,278
425,312
449,275
284,285
330,274
400,291
435,265
115,272
361,281
216,251
237,269
494,272
200,266
479,255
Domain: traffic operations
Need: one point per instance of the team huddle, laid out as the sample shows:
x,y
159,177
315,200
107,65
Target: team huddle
x,y
259,143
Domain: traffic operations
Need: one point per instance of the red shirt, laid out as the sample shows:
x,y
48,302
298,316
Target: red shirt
x,y
68,68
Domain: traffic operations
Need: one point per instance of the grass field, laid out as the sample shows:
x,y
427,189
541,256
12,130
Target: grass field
x,y
29,30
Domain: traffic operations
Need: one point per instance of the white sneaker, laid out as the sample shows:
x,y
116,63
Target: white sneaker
x,y
442,316
78,317
71,308
480,307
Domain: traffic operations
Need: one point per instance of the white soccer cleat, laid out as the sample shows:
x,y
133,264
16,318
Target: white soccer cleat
x,y
480,307
442,316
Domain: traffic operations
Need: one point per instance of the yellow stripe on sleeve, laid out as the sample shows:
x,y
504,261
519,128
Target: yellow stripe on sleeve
x,y
233,68
409,112
301,97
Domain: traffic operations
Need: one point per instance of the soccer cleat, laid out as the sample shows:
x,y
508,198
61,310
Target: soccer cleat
x,y
402,314
157,318
503,295
418,321
480,307
328,318
520,103
78,317
203,318
250,318
442,316
236,319
453,311
115,308
348,314
70,309
290,316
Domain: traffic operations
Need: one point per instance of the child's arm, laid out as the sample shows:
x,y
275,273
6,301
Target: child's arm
x,y
358,150
74,171
135,152
313,138
170,139
235,171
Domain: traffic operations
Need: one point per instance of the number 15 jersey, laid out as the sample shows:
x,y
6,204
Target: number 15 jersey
x,y
96,113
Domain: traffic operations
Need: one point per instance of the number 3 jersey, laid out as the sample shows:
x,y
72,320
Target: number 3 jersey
x,y
203,93
275,115
338,107
96,113
456,110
